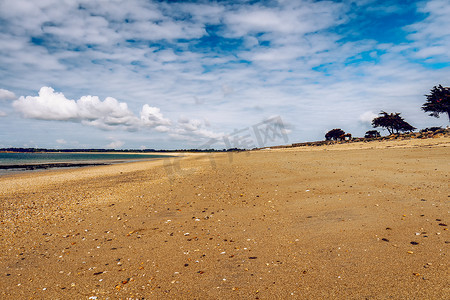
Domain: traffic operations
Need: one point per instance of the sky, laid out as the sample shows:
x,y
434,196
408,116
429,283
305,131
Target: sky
x,y
141,74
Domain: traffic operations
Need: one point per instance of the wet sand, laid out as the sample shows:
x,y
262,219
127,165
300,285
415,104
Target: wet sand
x,y
351,221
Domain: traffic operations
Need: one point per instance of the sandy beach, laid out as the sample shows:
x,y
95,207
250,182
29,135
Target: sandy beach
x,y
347,221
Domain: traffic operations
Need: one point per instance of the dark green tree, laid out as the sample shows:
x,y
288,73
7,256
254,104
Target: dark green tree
x,y
392,122
372,134
334,134
430,129
438,101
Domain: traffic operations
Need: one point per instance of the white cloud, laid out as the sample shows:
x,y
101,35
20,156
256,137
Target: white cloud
x,y
367,117
432,35
93,22
152,117
7,95
193,130
298,17
162,128
47,106
276,54
2,114
61,141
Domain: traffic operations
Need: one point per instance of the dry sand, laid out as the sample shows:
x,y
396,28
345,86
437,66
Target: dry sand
x,y
353,221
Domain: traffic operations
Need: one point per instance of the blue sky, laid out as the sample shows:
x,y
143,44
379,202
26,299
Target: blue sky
x,y
176,74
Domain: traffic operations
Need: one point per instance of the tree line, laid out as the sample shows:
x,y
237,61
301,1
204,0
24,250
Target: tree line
x,y
437,103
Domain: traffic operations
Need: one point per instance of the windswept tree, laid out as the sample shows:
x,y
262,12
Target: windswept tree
x,y
334,134
438,101
372,134
392,122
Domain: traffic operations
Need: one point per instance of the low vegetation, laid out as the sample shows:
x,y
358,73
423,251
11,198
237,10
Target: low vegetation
x,y
438,102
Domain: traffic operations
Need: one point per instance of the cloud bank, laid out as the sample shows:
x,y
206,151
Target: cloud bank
x,y
109,114
88,110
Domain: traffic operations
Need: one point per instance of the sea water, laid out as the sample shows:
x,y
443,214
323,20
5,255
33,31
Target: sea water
x,y
7,160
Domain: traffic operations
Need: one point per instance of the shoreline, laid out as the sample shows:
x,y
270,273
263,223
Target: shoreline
x,y
342,221
19,168
37,166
